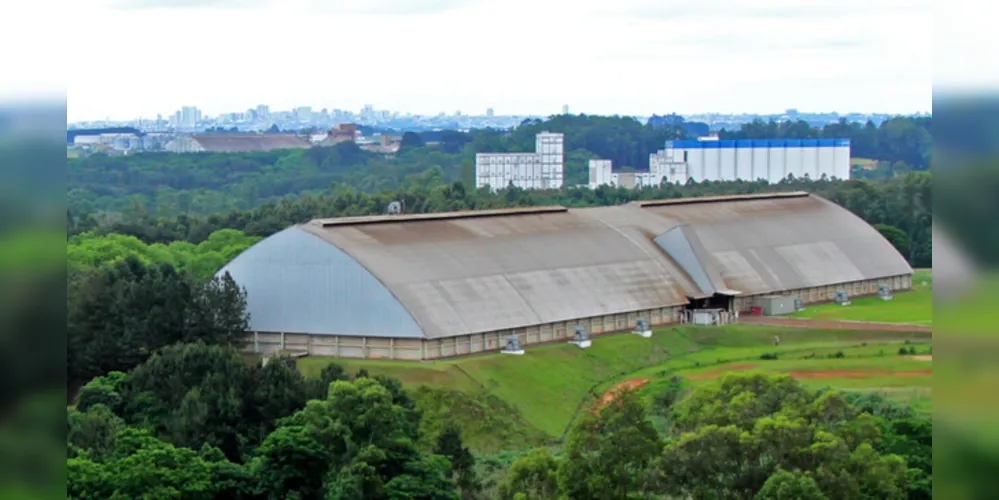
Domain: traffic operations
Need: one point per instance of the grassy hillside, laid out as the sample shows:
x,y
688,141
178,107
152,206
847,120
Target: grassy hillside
x,y
502,401
911,307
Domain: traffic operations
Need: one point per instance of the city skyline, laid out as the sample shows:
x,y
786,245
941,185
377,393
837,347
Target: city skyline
x,y
635,57
199,113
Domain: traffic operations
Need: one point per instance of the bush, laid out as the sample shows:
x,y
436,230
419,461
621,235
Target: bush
x,y
903,351
837,354
768,355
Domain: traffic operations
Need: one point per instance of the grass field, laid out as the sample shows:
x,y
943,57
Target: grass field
x,y
912,307
546,387
876,367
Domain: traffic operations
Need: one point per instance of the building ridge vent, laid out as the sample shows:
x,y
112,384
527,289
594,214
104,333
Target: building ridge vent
x,y
722,198
465,214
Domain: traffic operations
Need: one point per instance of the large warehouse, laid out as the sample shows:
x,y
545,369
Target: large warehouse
x,y
427,286
772,160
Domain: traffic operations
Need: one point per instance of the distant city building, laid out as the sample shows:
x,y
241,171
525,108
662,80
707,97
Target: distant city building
x,y
489,112
542,169
304,114
342,133
565,109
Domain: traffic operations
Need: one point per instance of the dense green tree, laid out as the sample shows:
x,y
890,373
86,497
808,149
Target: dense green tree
x,y
532,477
784,485
411,140
731,437
450,446
896,237
118,314
607,452
142,466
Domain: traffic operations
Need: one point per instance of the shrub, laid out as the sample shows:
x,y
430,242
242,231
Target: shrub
x,y
839,354
902,351
768,355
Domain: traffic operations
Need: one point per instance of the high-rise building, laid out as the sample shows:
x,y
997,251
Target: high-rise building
x,y
565,109
303,114
542,169
263,111
187,117
489,112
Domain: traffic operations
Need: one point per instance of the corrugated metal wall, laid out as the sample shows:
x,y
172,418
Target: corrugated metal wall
x,y
420,349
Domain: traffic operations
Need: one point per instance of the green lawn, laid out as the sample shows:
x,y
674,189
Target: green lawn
x,y
911,307
876,367
549,384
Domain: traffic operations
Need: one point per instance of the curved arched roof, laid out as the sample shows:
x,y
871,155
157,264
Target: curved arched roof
x,y
774,243
437,275
480,272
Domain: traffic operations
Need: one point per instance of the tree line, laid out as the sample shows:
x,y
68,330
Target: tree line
x,y
198,421
901,207
203,183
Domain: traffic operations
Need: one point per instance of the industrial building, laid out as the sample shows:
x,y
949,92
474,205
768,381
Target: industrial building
x,y
428,286
602,173
542,169
772,160
710,159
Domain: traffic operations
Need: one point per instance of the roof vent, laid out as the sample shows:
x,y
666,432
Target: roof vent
x,y
396,207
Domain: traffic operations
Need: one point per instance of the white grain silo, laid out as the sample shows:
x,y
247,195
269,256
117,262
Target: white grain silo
x,y
810,158
744,160
600,173
776,169
842,159
761,159
792,160
727,160
827,157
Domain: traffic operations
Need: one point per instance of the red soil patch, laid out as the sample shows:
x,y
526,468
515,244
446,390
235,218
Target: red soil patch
x,y
614,391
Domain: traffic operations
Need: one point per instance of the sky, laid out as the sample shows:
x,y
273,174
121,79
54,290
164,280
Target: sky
x,y
137,58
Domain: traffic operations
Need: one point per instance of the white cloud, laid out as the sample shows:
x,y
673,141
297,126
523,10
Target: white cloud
x,y
517,56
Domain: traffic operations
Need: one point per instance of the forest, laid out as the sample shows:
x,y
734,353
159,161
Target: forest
x,y
165,405
204,183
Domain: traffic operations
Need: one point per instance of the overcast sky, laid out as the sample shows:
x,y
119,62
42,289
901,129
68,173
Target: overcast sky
x,y
130,58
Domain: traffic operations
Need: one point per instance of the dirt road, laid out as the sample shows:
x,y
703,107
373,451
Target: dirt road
x,y
612,393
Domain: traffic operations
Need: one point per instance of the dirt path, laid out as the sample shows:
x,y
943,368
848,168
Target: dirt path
x,y
830,374
612,393
833,325
923,357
